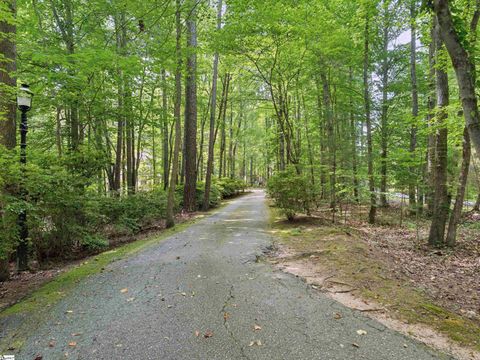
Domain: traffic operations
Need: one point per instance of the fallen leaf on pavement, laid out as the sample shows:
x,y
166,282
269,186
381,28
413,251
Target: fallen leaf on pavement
x,y
361,332
208,334
197,333
255,343
337,316
38,357
72,343
123,291
355,345
51,343
257,327
226,316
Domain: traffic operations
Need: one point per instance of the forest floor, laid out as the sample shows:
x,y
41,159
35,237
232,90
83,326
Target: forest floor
x,y
388,272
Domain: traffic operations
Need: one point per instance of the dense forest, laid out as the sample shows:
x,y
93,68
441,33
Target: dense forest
x,y
143,110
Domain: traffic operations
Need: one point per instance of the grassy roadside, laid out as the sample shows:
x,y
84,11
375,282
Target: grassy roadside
x,y
28,313
340,250
54,290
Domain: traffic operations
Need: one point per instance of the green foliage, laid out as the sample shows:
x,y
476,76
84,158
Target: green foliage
x,y
293,193
230,187
94,243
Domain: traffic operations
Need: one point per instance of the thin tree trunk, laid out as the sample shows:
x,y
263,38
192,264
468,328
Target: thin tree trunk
x,y
430,119
327,105
165,154
413,131
170,221
462,183
353,131
384,117
321,128
368,122
211,138
189,194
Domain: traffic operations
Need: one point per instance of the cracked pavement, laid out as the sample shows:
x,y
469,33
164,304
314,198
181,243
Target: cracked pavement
x,y
206,279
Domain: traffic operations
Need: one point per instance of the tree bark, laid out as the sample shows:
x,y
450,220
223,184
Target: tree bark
x,y
327,105
189,203
170,221
165,153
8,57
384,116
353,129
368,122
462,183
431,118
464,66
413,130
213,108
441,202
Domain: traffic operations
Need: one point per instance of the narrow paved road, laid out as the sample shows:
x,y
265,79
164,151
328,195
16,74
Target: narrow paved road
x,y
206,279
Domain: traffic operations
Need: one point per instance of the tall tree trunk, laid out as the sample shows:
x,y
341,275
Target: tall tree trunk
x,y
464,65
170,221
462,183
327,105
117,172
230,144
441,202
129,137
213,108
8,57
431,118
368,123
165,153
384,116
321,128
222,124
413,131
189,203
353,132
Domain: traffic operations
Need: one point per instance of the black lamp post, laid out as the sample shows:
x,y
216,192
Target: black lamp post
x,y
24,103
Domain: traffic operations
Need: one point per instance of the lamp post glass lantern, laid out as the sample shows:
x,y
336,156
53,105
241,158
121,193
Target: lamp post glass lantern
x,y
24,103
24,98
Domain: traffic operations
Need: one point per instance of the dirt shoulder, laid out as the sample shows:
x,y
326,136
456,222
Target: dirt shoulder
x,y
387,273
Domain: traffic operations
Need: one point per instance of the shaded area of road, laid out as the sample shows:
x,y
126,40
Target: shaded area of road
x,y
200,294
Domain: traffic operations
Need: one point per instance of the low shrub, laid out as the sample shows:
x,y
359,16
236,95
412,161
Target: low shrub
x,y
230,187
292,193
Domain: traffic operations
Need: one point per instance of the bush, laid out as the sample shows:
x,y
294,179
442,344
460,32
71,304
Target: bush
x,y
94,243
129,213
292,193
230,187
